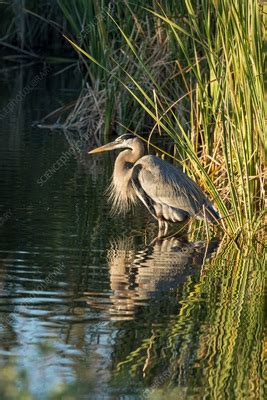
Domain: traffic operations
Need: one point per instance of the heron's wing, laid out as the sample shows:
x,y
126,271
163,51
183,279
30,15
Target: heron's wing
x,y
164,184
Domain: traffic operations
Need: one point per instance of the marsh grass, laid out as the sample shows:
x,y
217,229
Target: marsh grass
x,y
205,92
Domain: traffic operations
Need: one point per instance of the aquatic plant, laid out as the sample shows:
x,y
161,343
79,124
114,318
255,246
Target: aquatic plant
x,y
216,51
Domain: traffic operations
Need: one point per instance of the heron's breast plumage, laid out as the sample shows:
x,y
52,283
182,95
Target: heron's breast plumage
x,y
120,191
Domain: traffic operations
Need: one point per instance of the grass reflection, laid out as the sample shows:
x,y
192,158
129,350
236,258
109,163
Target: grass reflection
x,y
213,349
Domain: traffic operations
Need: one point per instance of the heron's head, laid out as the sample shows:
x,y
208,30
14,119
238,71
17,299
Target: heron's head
x,y
125,141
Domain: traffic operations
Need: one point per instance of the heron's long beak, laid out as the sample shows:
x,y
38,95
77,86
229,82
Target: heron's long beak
x,y
106,147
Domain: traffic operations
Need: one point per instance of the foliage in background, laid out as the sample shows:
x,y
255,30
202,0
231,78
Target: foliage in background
x,y
93,28
26,32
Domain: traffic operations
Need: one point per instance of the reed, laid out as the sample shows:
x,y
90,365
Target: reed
x,y
209,99
222,72
93,28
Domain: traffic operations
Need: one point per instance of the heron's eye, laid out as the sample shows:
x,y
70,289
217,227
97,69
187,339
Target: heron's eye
x,y
124,138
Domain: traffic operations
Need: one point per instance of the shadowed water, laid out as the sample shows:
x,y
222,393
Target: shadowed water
x,y
90,306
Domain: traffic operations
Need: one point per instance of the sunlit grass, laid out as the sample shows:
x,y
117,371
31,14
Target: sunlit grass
x,y
219,61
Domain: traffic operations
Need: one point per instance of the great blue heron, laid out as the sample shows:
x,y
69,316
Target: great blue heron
x,y
166,191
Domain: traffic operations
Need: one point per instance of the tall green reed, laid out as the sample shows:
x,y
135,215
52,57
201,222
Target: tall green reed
x,y
222,46
215,76
93,27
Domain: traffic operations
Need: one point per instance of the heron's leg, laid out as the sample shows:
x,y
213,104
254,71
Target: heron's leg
x,y
165,228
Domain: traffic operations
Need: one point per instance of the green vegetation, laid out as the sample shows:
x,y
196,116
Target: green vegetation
x,y
206,93
191,70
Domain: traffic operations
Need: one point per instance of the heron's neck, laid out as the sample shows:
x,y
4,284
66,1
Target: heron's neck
x,y
122,193
127,158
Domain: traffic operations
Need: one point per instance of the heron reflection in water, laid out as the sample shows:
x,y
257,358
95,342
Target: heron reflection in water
x,y
166,191
139,277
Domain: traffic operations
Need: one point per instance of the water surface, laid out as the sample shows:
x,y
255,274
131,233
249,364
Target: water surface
x,y
90,306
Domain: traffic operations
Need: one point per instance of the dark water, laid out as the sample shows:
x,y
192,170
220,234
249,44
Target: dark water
x,y
89,307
